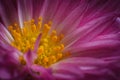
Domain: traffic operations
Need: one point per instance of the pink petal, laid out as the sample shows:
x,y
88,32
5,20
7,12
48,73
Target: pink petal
x,y
42,72
37,8
31,55
9,62
37,43
87,68
5,35
4,74
8,7
24,11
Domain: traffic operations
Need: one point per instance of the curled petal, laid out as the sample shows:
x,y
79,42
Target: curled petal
x,y
29,55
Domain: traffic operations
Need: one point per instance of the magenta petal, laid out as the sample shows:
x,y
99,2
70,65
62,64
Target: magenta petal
x,y
4,34
4,74
37,43
87,68
24,11
9,62
37,8
41,72
91,34
9,52
68,72
8,7
29,57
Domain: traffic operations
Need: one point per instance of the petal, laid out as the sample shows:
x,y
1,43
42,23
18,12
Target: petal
x,y
100,26
37,43
6,7
41,72
93,38
37,8
4,74
29,57
9,62
85,68
24,11
102,46
9,51
66,16
5,35
67,72
96,18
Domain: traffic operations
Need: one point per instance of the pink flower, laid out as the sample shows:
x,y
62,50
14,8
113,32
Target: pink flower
x,y
59,40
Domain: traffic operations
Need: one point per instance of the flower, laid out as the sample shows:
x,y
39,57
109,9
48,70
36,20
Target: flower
x,y
60,40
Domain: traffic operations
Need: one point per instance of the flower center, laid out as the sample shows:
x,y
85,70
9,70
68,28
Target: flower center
x,y
50,49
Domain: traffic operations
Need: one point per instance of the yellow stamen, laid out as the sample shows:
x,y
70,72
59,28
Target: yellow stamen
x,y
22,60
50,49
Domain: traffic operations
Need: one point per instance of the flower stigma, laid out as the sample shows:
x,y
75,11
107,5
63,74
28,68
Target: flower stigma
x,y
50,49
